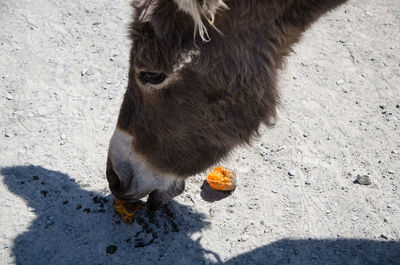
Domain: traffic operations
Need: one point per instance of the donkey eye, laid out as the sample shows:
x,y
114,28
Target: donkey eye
x,y
152,78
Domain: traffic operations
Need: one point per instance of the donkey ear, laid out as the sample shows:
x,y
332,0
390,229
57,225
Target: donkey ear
x,y
200,10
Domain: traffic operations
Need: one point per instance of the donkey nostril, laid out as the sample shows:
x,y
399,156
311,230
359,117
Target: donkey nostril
x,y
113,180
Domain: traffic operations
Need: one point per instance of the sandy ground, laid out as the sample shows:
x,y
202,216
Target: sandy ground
x,y
63,72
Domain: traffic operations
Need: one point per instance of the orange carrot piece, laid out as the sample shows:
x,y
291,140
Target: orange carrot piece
x,y
126,210
222,178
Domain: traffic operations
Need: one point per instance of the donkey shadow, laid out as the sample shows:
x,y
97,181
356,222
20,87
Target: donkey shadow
x,y
323,251
76,226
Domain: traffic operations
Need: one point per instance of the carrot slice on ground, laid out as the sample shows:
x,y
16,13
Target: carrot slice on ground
x,y
222,178
126,210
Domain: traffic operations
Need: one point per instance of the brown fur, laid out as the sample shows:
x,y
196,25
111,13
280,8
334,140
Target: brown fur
x,y
219,99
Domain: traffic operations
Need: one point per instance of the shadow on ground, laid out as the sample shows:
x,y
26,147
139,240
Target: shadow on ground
x,y
76,226
324,251
211,195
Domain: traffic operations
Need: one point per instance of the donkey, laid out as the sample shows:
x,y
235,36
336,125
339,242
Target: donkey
x,y
202,79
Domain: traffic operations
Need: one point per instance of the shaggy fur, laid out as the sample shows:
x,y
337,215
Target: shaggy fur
x,y
199,11
216,100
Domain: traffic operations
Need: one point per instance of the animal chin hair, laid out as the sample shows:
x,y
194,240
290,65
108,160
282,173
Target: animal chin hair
x,y
199,9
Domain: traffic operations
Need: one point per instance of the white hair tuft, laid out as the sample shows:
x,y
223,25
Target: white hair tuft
x,y
197,10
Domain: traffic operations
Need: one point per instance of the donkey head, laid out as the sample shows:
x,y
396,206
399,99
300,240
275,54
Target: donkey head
x,y
201,81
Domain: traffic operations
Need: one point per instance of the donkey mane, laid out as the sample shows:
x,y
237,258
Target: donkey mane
x,y
199,9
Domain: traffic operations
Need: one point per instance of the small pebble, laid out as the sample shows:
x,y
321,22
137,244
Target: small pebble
x,y
9,97
345,90
390,171
305,134
111,249
340,82
274,191
7,133
244,238
364,180
62,136
292,172
314,256
307,182
279,166
280,148
383,236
